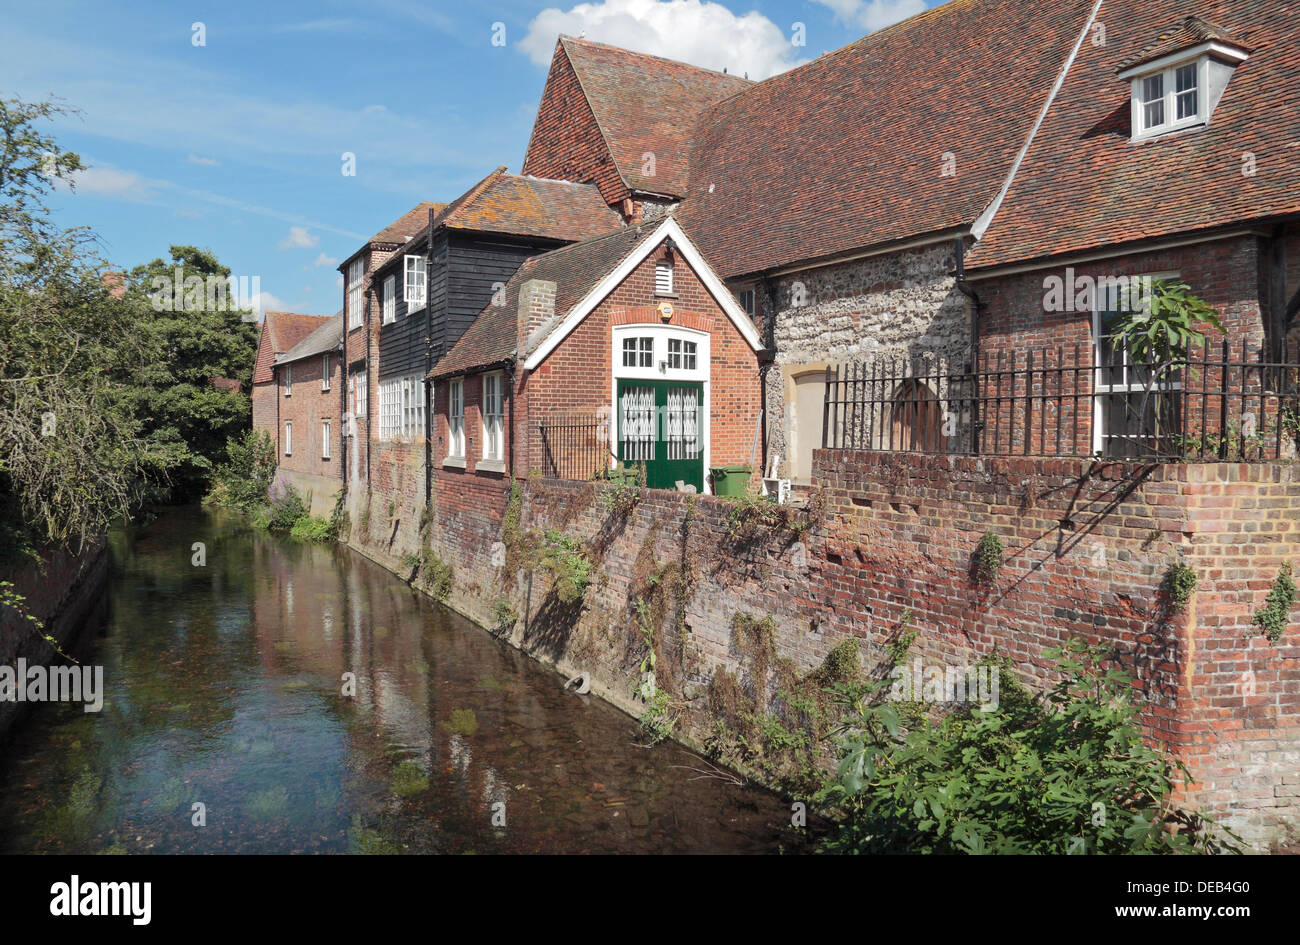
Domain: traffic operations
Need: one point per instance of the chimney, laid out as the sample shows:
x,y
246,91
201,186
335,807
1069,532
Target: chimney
x,y
115,283
536,309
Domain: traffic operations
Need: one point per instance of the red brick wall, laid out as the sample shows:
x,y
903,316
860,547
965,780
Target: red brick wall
x,y
576,378
306,407
567,143
1087,548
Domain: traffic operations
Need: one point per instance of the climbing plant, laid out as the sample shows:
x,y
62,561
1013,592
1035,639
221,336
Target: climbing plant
x,y
1274,617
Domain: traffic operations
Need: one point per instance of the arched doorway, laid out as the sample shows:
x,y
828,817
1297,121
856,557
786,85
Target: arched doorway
x,y
916,418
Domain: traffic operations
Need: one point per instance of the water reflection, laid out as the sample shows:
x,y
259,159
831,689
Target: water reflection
x,y
225,687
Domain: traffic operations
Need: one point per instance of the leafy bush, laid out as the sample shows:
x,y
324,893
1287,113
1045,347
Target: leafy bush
x,y
287,507
244,481
1068,773
1181,584
437,575
561,556
311,528
988,558
1274,617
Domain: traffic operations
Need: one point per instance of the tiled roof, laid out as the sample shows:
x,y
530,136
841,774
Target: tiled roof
x,y
327,337
280,332
647,105
1188,32
575,269
1084,184
409,223
527,206
400,230
848,151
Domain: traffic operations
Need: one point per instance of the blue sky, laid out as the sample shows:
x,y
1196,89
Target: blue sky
x,y
237,144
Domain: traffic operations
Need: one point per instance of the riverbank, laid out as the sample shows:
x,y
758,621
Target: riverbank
x,y
67,592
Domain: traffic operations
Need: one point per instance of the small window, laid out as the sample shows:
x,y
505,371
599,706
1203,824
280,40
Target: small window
x,y
663,277
412,407
288,438
355,296
681,355
357,394
493,417
456,418
413,287
288,379
324,439
324,372
390,300
746,299
1169,99
638,352
390,409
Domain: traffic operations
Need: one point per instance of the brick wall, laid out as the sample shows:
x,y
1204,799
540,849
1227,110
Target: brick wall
x,y
306,408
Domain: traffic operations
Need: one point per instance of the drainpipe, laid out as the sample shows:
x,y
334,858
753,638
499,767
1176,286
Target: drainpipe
x,y
343,406
765,361
428,366
976,307
510,385
369,416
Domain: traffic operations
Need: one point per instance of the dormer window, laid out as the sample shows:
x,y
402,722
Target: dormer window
x,y
1177,82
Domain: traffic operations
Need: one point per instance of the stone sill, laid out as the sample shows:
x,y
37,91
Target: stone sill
x,y
490,465
456,462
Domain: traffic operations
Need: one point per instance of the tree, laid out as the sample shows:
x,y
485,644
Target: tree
x,y
201,338
74,455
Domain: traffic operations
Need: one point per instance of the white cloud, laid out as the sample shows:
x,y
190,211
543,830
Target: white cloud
x,y
111,182
266,302
696,31
299,238
205,161
323,260
874,14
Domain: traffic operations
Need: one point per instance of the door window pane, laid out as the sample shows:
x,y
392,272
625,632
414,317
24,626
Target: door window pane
x,y
637,423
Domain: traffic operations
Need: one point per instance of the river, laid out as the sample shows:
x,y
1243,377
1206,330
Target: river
x,y
225,726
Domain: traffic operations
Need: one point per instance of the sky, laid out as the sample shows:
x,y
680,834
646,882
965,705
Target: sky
x,y
225,125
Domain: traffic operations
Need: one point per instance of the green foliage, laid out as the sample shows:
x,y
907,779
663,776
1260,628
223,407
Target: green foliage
x,y
1180,582
621,496
988,558
505,617
75,456
244,481
1161,332
752,516
410,561
437,575
10,599
1274,617
658,721
561,556
311,528
286,508
463,721
409,777
1066,774
201,338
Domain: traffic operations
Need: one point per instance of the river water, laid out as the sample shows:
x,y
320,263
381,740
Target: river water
x,y
224,688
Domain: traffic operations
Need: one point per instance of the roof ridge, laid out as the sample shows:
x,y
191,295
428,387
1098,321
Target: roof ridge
x,y
563,37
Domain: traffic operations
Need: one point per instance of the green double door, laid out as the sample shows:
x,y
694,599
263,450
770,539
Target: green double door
x,y
661,424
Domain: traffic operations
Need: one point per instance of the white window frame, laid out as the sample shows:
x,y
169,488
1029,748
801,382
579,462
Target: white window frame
x,y
287,379
356,295
1100,389
325,439
412,407
390,407
357,394
390,300
415,283
492,411
642,350
288,438
456,418
664,277
325,371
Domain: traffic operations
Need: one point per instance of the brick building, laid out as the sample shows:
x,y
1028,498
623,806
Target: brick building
x,y
280,332
309,433
622,348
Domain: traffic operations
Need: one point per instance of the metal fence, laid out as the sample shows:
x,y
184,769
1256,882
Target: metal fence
x,y
1218,403
571,448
